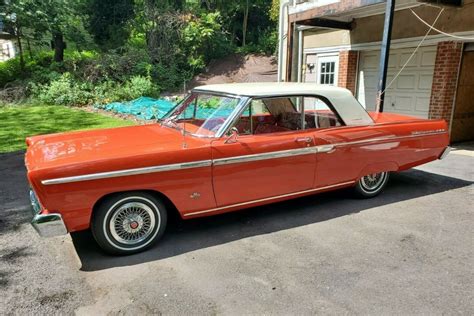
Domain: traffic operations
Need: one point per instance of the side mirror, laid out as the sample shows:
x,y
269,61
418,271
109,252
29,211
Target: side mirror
x,y
234,133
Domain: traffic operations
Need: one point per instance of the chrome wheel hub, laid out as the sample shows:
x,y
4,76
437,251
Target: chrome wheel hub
x,y
373,181
132,223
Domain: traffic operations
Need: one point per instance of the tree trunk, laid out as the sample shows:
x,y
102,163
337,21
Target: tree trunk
x,y
20,48
244,23
58,45
28,45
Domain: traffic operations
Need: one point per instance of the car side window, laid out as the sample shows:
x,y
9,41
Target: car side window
x,y
318,114
271,115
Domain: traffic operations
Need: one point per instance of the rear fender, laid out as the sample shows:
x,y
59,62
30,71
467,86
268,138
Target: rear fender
x,y
379,167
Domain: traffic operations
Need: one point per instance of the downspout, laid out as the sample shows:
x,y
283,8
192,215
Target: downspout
x,y
300,54
281,30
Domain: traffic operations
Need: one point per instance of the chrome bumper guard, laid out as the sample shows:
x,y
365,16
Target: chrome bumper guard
x,y
47,225
445,153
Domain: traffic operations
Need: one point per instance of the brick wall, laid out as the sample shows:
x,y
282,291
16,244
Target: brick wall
x,y
348,70
448,58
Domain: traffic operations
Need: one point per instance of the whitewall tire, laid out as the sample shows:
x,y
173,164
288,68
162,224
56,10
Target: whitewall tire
x,y
371,185
128,223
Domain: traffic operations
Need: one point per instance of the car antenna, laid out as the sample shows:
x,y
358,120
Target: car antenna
x,y
185,145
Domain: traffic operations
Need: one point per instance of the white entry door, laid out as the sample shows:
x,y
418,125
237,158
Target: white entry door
x,y
410,93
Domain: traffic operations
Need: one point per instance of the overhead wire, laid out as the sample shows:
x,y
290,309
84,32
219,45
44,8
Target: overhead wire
x,y
431,27
442,32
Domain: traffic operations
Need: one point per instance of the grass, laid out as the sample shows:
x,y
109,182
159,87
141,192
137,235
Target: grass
x,y
18,122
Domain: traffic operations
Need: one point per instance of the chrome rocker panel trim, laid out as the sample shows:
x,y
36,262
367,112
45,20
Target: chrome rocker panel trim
x,y
329,148
271,198
49,225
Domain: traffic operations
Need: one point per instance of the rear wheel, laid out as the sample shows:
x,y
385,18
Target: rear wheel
x,y
128,223
371,185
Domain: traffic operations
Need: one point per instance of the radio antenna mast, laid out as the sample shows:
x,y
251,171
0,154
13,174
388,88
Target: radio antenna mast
x,y
185,145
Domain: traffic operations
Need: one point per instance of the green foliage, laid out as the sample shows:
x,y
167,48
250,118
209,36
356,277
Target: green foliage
x,y
119,50
64,91
108,21
205,40
10,70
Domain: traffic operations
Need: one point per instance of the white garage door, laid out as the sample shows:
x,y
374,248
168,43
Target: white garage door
x,y
411,91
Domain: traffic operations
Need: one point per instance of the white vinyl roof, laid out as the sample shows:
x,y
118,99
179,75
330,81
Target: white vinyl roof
x,y
350,110
260,89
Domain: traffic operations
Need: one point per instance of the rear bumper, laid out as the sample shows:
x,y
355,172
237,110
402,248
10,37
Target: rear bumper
x,y
445,152
49,225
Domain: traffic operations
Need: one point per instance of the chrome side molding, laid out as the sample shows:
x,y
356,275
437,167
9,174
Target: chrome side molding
x,y
129,172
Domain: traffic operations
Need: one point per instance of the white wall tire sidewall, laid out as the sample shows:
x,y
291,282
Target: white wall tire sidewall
x,y
378,189
108,216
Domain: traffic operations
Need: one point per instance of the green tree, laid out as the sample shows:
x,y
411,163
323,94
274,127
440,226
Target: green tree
x,y
42,17
107,21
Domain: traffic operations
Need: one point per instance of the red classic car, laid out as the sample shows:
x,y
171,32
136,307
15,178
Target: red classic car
x,y
223,148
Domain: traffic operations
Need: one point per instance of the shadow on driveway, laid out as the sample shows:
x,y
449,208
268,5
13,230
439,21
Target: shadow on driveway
x,y
185,236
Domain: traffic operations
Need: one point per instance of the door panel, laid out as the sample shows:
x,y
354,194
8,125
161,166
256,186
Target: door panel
x,y
355,149
239,177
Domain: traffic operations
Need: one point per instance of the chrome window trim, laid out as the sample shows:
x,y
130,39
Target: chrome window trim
x,y
327,148
233,117
270,198
129,172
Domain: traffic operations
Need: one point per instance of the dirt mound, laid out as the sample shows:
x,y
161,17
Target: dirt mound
x,y
238,68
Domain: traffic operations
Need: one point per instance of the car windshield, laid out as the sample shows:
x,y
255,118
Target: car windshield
x,y
201,114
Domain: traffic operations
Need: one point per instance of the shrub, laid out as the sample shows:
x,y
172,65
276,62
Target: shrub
x,y
64,91
10,71
136,87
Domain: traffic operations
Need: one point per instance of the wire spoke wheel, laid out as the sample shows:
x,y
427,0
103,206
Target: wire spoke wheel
x,y
373,182
132,223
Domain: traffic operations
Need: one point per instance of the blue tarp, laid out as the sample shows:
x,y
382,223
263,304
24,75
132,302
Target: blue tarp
x,y
144,108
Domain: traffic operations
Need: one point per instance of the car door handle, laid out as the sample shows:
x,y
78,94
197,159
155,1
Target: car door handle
x,y
306,140
325,149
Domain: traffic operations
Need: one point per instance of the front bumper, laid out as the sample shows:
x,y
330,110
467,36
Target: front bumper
x,y
49,224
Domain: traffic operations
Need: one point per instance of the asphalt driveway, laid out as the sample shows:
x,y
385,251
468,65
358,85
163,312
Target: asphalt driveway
x,y
408,251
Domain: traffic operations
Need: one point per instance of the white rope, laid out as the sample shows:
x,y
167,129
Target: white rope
x,y
441,32
411,56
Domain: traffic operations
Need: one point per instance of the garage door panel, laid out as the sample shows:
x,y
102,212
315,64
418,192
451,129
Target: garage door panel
x,y
403,103
425,81
428,58
404,57
422,104
411,91
406,81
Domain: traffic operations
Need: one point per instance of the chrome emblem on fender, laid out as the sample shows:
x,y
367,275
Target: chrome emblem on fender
x,y
195,195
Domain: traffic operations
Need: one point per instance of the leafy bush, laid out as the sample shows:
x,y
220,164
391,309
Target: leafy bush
x,y
10,71
64,91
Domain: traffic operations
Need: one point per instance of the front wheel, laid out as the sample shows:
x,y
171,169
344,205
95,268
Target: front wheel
x,y
371,185
128,223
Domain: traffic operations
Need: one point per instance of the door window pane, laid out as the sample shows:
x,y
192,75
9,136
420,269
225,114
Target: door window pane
x,y
317,114
271,115
327,68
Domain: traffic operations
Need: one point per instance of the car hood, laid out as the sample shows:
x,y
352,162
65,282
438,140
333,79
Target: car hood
x,y
66,150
